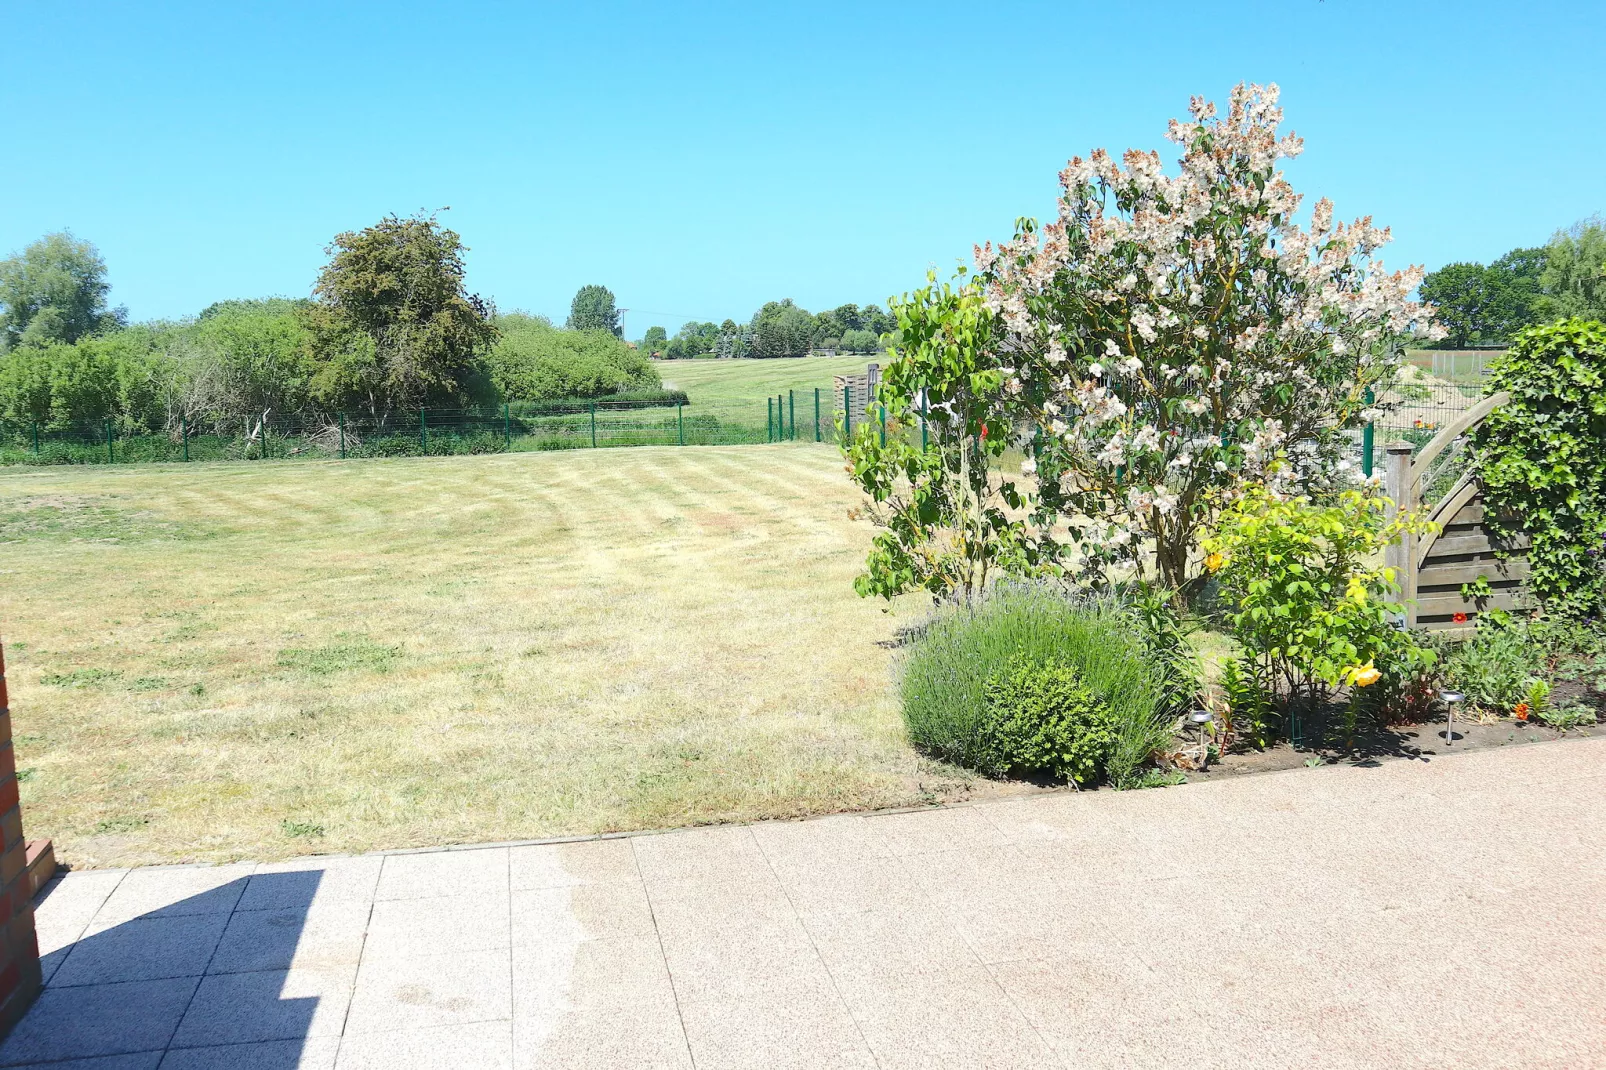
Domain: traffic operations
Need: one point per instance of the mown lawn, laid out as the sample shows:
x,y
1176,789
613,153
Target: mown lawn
x,y
736,389
276,658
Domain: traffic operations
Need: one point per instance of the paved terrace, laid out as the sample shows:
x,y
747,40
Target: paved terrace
x,y
1437,914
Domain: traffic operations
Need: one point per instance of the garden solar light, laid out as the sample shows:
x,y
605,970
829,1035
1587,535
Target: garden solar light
x,y
1450,699
1201,719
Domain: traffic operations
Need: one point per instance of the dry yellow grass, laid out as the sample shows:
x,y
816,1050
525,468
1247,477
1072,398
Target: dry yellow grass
x,y
262,660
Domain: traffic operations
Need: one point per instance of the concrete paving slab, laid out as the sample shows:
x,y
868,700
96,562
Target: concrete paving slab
x,y
564,865
311,1053
145,949
477,1045
1440,914
437,990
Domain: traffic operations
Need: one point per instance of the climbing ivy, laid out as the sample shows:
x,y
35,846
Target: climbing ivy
x,y
1542,460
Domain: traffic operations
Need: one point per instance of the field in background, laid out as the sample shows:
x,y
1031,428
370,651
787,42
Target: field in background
x,y
269,659
737,389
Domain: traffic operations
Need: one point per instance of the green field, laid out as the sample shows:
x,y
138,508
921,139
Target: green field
x,y
735,389
268,659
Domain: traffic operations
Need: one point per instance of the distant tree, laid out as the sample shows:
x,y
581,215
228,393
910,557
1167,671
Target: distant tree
x,y
1574,277
849,317
781,329
654,339
535,361
1464,298
593,309
54,291
392,325
877,322
1517,279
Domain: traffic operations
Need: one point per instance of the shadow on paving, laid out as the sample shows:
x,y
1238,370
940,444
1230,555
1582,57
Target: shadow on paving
x,y
199,983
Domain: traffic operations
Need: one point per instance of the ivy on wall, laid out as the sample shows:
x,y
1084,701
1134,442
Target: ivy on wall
x,y
1542,460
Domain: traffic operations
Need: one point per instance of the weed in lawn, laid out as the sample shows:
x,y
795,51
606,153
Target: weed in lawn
x,y
80,678
25,775
86,518
300,829
355,653
148,683
1566,718
113,825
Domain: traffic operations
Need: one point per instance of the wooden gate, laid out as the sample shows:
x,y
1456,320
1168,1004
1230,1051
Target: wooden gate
x,y
1432,568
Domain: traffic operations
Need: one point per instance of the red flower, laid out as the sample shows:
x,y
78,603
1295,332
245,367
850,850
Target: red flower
x,y
984,431
1460,618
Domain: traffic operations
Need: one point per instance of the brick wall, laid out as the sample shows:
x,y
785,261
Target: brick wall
x,y
20,877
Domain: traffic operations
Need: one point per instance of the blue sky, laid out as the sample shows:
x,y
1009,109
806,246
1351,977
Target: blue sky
x,y
700,159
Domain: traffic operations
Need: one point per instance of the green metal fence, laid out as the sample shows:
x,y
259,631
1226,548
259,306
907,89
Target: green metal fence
x,y
425,432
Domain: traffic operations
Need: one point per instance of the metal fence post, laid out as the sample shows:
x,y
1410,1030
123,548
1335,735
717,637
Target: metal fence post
x,y
593,425
816,414
111,456
769,419
507,427
340,417
423,433
791,410
184,434
680,424
36,440
883,425
1368,440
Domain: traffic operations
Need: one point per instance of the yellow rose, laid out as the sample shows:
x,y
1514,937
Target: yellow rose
x,y
1362,675
1214,562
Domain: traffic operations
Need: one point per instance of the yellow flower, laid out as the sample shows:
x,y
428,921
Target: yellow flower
x,y
1362,675
1214,562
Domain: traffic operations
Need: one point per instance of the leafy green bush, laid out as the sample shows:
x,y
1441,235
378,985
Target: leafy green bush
x,y
1040,717
1494,667
535,361
951,665
1312,606
1539,456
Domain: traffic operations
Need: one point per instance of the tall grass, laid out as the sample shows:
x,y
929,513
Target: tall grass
x,y
946,670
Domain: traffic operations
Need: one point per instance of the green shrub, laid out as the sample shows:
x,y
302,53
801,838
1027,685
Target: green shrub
x,y
1493,667
1041,717
964,662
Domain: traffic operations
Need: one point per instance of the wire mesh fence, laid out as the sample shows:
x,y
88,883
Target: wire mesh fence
x,y
425,432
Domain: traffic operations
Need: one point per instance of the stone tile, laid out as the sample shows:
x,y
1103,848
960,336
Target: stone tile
x,y
804,1026
959,1018
74,1023
969,879
240,1008
645,1038
440,990
1096,1009
173,891
824,840
1030,926
848,884
309,1053
582,912
624,971
145,1060
72,899
443,873
949,828
324,935
565,865
888,943
145,949
701,855
710,966
280,885
473,1046
442,925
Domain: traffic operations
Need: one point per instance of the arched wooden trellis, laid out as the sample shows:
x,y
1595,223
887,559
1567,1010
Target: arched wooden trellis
x,y
1432,568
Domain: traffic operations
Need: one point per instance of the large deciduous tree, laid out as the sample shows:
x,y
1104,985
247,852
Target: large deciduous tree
x,y
54,291
1575,271
392,325
593,309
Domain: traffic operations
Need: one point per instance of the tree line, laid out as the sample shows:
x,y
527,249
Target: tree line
x,y
778,329
390,327
1480,304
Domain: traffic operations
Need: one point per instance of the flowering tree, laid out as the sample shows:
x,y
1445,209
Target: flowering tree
x,y
1174,337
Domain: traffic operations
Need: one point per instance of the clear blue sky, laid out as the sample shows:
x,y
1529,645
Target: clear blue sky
x,y
700,159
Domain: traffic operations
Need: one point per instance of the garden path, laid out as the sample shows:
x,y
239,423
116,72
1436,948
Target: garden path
x,y
1441,913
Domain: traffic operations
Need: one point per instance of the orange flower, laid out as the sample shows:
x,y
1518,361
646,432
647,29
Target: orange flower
x,y
1460,618
1521,711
